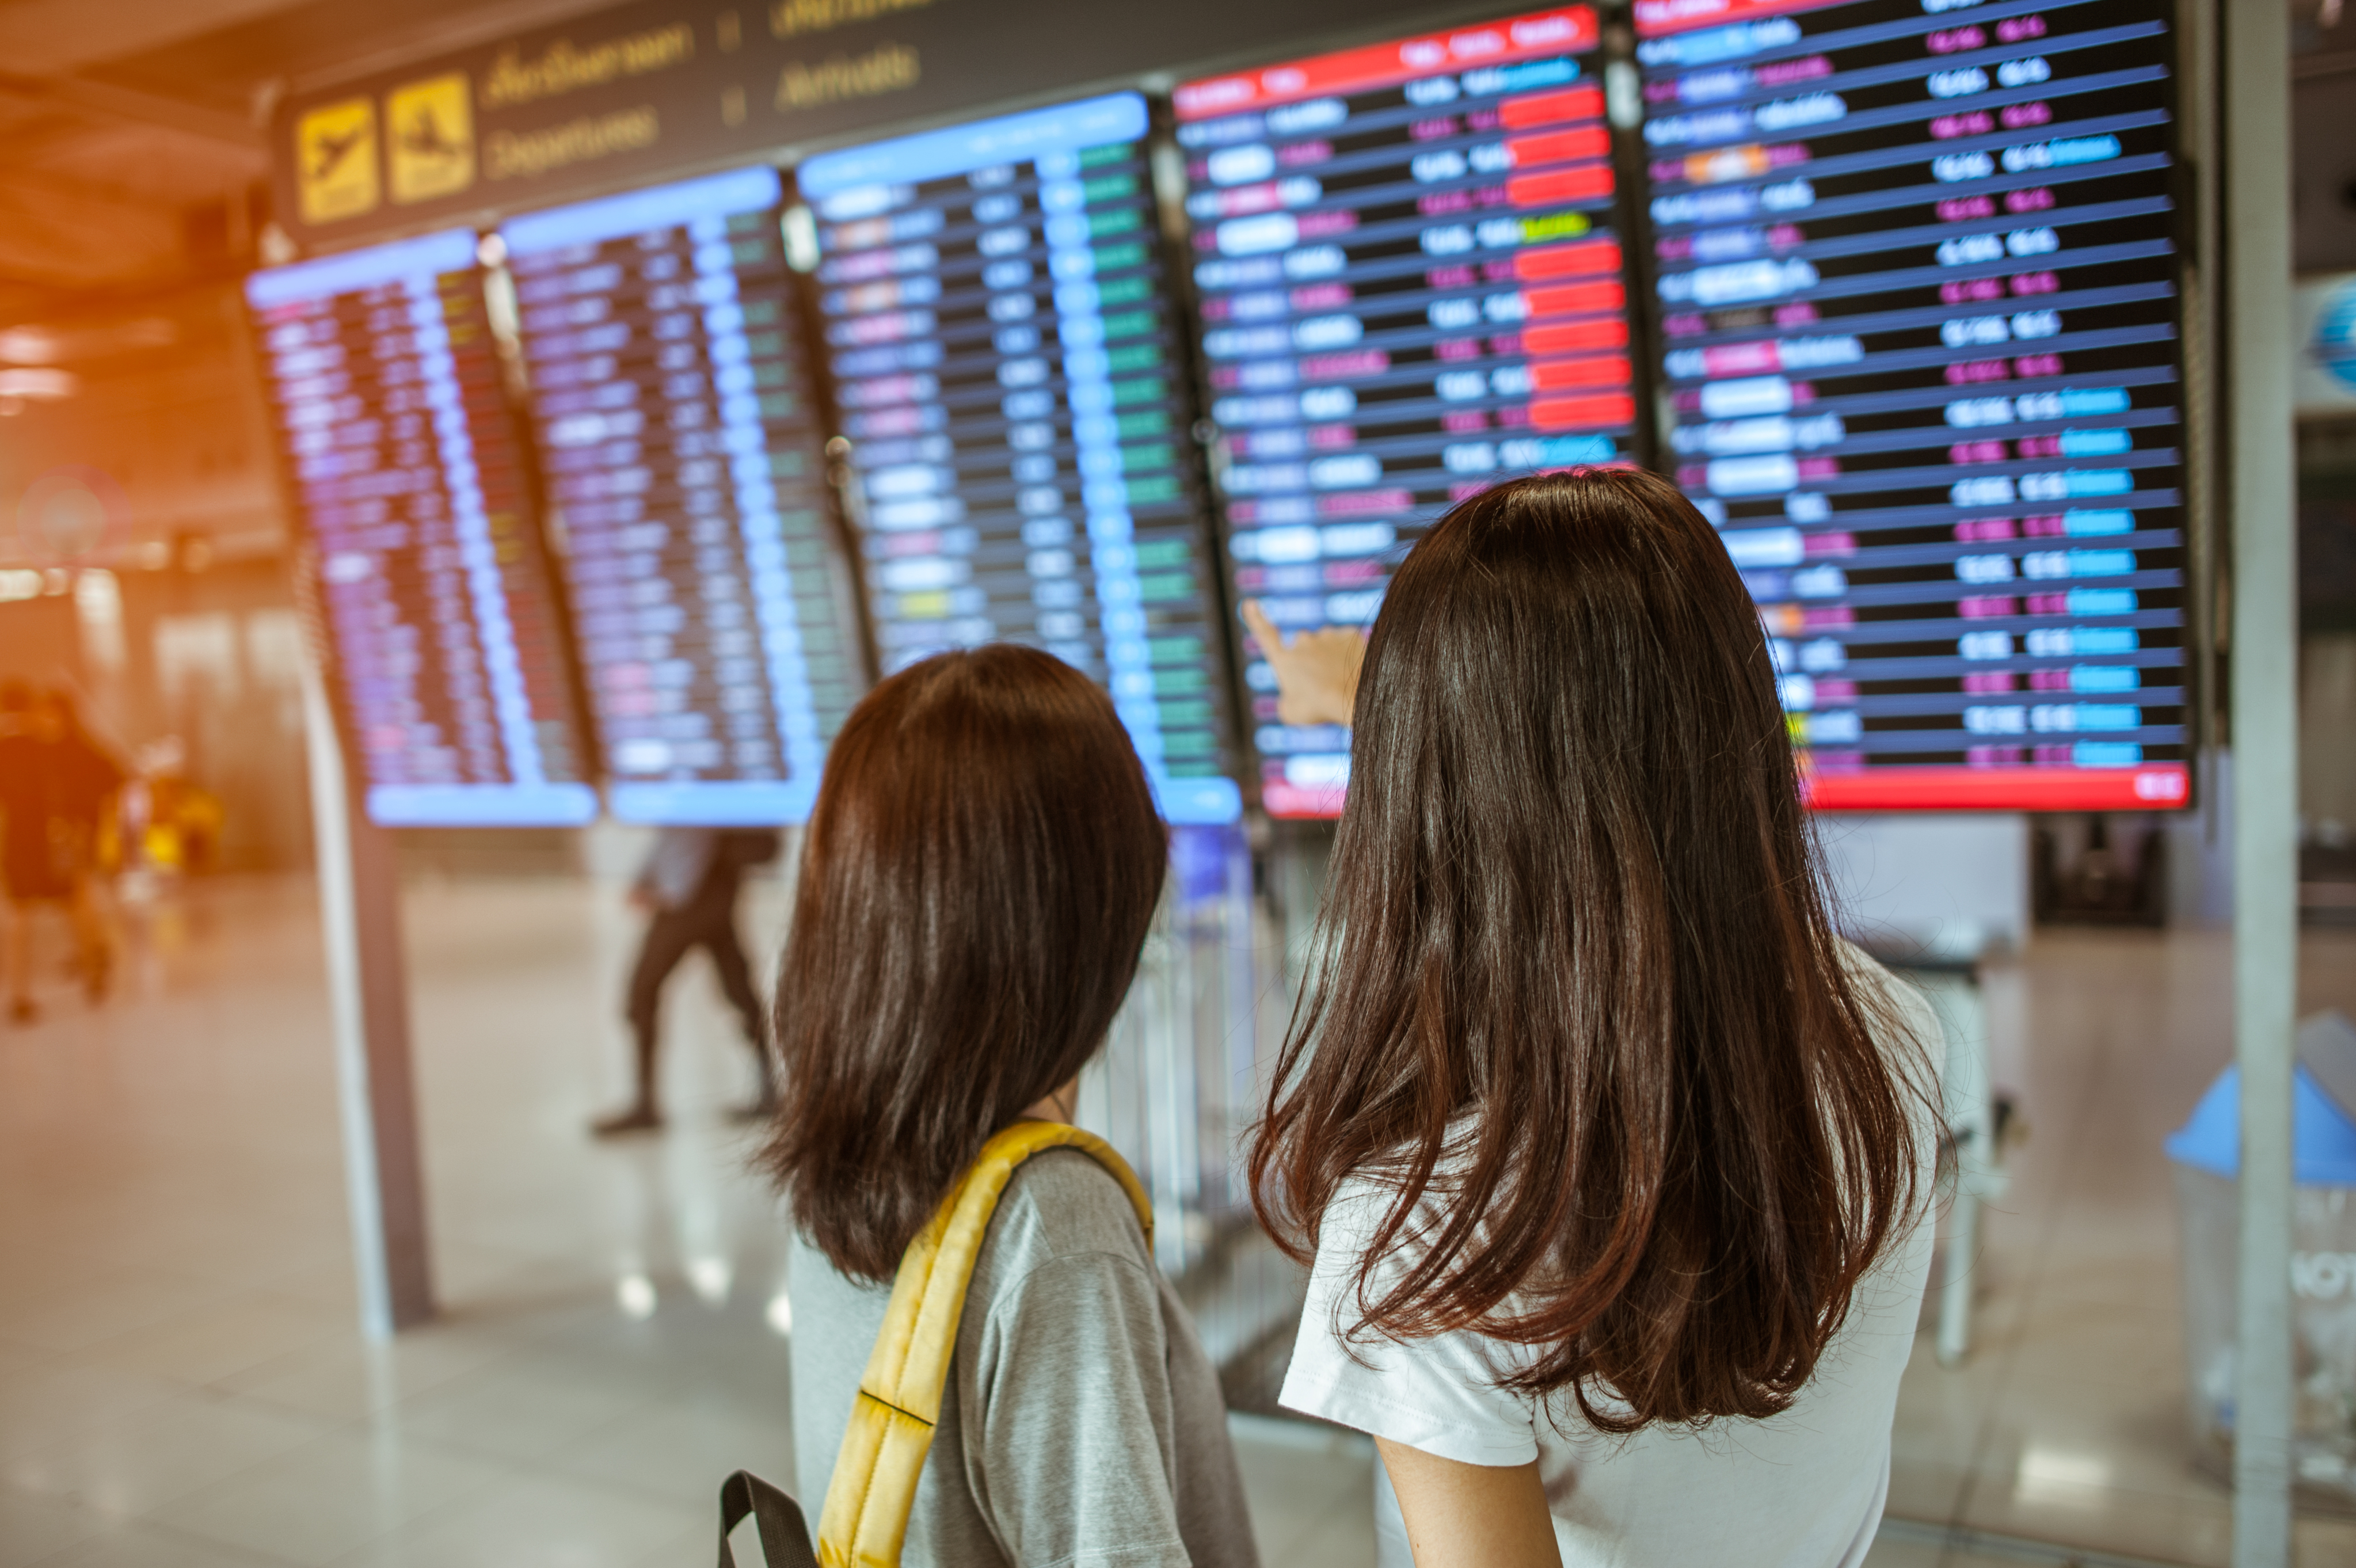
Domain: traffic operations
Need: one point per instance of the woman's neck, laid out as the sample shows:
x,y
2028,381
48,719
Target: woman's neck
x,y
1055,1107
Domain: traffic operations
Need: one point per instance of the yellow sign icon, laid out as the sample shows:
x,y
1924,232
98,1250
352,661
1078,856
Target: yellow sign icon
x,y
335,160
429,132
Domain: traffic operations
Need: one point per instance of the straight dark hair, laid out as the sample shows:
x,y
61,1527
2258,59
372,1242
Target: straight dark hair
x,y
976,883
1573,949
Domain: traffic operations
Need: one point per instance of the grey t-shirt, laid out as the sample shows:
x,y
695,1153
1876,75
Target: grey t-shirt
x,y
1082,1422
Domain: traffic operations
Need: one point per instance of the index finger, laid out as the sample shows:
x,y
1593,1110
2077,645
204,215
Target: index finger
x,y
1262,628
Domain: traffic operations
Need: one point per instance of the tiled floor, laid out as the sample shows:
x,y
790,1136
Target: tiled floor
x,y
2068,1422
181,1383
180,1378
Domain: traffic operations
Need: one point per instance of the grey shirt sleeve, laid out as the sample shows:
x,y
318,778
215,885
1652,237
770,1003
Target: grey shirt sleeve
x,y
1078,1436
1075,1450
1082,1422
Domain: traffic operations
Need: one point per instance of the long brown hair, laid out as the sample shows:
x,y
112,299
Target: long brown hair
x,y
1580,1009
976,883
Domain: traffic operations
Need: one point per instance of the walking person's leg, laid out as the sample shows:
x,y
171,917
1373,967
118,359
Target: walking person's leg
x,y
27,880
717,931
21,1007
669,934
93,939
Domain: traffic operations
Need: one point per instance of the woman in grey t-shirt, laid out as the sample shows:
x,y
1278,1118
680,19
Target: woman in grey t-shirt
x,y
976,882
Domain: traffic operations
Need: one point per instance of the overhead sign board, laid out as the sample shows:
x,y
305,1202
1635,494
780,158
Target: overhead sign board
x,y
658,87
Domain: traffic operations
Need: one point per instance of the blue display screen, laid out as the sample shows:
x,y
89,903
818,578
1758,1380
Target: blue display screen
x,y
1407,262
408,475
1917,276
683,462
1007,362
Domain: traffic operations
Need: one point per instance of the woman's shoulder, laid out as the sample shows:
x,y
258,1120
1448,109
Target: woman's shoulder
x,y
1361,1209
1904,1024
1062,1204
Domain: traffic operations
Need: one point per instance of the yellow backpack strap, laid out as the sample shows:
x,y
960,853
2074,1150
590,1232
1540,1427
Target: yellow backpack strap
x,y
865,1520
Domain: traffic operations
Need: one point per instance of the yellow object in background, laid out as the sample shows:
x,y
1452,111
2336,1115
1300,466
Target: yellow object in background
x,y
184,825
931,605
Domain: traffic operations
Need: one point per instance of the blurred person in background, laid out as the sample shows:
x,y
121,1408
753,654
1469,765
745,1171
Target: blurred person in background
x,y
57,785
27,873
688,887
85,781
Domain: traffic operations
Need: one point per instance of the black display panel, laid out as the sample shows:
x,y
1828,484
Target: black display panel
x,y
1410,281
683,462
408,479
1009,372
1917,293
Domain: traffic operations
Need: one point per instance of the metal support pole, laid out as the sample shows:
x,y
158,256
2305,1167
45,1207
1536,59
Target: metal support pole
x,y
360,916
1968,1090
2264,661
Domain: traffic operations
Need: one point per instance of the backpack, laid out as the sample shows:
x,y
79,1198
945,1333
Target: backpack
x,y
865,1520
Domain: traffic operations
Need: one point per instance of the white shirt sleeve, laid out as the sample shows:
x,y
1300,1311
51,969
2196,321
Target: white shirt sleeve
x,y
1438,1394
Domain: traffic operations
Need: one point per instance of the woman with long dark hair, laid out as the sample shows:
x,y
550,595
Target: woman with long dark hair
x,y
976,883
1611,1158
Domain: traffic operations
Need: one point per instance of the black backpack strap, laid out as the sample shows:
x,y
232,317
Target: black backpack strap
x,y
784,1538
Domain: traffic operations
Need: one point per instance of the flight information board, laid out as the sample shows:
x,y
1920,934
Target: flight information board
x,y
683,462
1410,284
1009,377
1917,278
408,478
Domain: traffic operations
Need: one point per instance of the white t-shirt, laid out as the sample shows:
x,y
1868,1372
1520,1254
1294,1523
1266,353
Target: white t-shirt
x,y
1802,1489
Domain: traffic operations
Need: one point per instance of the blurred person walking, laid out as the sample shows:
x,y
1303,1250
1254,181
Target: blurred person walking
x,y
84,782
57,785
689,886
26,873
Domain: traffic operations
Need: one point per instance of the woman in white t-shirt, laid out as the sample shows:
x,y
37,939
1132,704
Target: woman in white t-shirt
x,y
1613,1160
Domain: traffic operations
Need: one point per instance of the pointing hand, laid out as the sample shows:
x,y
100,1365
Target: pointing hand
x,y
1316,672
